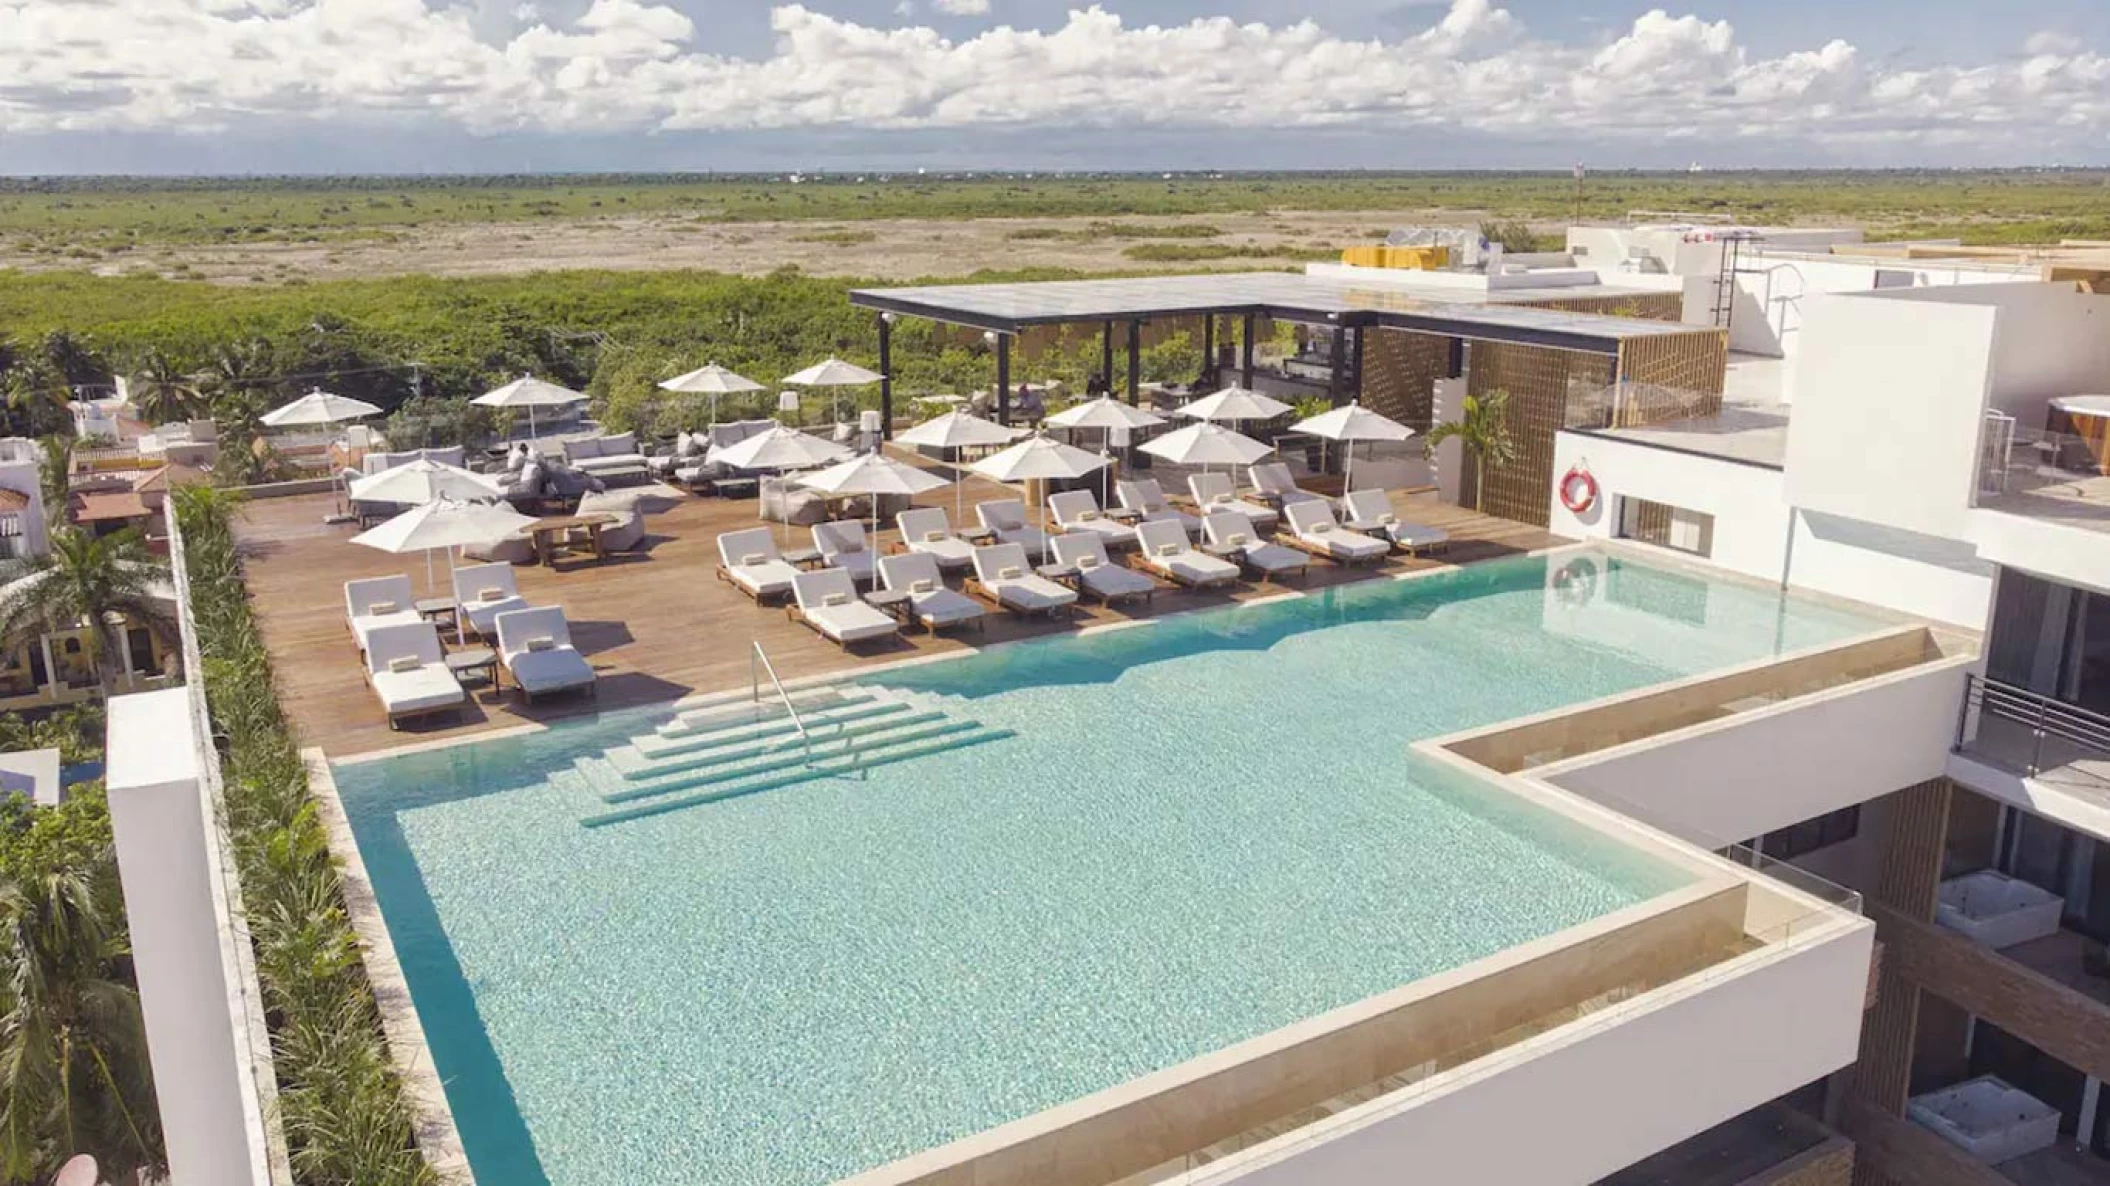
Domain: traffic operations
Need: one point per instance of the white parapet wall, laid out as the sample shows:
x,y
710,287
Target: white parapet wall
x,y
197,988
1576,1104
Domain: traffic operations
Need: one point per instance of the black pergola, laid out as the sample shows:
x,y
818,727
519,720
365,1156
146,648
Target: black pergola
x,y
1006,309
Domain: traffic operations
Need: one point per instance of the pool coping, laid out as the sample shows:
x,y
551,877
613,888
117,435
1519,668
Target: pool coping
x,y
439,1140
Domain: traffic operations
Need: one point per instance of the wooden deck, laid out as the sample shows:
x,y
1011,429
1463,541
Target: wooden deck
x,y
656,623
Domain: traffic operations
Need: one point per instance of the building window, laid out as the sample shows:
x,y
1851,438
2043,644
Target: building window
x,y
1810,835
139,643
13,544
1666,526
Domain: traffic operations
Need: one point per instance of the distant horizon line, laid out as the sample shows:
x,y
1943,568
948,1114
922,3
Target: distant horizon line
x,y
925,173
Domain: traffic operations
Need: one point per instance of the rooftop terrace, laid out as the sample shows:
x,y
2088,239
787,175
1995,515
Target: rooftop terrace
x,y
655,623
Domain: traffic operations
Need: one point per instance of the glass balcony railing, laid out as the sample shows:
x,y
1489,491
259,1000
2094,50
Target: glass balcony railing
x,y
2016,461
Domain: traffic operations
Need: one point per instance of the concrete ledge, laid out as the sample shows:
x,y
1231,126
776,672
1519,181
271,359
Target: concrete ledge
x,y
438,1139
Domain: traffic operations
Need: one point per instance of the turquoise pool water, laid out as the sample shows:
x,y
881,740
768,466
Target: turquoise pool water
x,y
1176,837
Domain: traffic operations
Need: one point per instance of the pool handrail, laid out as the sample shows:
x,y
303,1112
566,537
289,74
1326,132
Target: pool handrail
x,y
754,678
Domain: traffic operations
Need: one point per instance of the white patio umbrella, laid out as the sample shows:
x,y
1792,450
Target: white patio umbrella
x,y
528,392
873,474
1207,444
321,407
1038,459
1349,425
957,430
424,480
834,372
780,448
712,380
1108,414
1233,405
443,523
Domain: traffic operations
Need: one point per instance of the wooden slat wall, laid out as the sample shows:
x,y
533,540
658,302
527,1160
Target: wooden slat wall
x,y
1400,370
1539,380
1672,376
1648,306
1907,885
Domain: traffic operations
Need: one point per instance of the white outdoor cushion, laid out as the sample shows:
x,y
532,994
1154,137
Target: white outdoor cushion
x,y
836,599
934,537
754,558
542,644
1087,516
379,608
1010,573
404,663
1168,549
491,593
1087,563
925,585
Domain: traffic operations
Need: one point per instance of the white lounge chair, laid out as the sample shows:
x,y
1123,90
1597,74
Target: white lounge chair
x,y
927,531
1146,498
1168,552
1099,576
1078,513
1370,511
932,604
1001,571
842,545
535,646
481,593
1312,529
1232,531
1212,493
827,601
409,673
750,560
1007,518
1272,483
376,602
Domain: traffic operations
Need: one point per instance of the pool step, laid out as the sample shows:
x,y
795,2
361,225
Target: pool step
x,y
794,756
776,725
633,763
902,750
717,718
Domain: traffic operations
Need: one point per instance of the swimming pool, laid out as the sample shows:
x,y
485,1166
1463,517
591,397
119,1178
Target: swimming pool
x,y
1098,855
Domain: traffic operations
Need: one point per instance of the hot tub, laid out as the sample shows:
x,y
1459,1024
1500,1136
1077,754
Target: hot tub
x,y
1998,910
1988,1119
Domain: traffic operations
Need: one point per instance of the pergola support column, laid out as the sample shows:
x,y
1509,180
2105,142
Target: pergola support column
x,y
1135,363
886,376
1209,344
1003,379
1339,362
1106,357
1245,379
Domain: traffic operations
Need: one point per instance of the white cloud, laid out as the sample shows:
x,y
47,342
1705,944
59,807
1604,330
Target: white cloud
x,y
962,7
628,66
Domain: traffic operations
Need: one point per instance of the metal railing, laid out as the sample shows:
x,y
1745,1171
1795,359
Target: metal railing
x,y
2027,730
758,665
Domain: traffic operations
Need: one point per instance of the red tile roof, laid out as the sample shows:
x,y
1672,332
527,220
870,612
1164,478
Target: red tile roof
x,y
100,506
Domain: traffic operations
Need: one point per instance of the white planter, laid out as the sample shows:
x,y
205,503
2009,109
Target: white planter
x,y
1988,1119
1997,910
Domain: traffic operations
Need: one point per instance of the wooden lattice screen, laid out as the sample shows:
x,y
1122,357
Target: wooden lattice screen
x,y
1540,381
1666,377
1648,306
1400,370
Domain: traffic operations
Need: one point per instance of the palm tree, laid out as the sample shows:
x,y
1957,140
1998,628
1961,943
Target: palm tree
x,y
55,478
86,582
162,392
1482,427
74,1076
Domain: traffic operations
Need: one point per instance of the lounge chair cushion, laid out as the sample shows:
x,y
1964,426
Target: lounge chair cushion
x,y
381,608
754,558
1239,539
1087,563
1169,549
551,669
420,689
491,593
1010,573
836,599
934,537
542,644
404,663
1087,516
923,586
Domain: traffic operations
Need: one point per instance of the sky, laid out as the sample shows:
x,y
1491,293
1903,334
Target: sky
x,y
319,86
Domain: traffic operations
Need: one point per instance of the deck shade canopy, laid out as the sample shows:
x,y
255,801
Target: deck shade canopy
x,y
528,392
424,480
1207,444
318,407
1039,459
444,523
1349,425
1233,405
712,380
874,474
833,372
954,431
1321,299
780,448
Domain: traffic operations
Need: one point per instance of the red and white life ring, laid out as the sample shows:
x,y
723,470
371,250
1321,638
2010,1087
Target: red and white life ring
x,y
1578,489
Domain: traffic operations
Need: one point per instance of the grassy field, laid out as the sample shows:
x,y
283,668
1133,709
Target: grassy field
x,y
90,218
